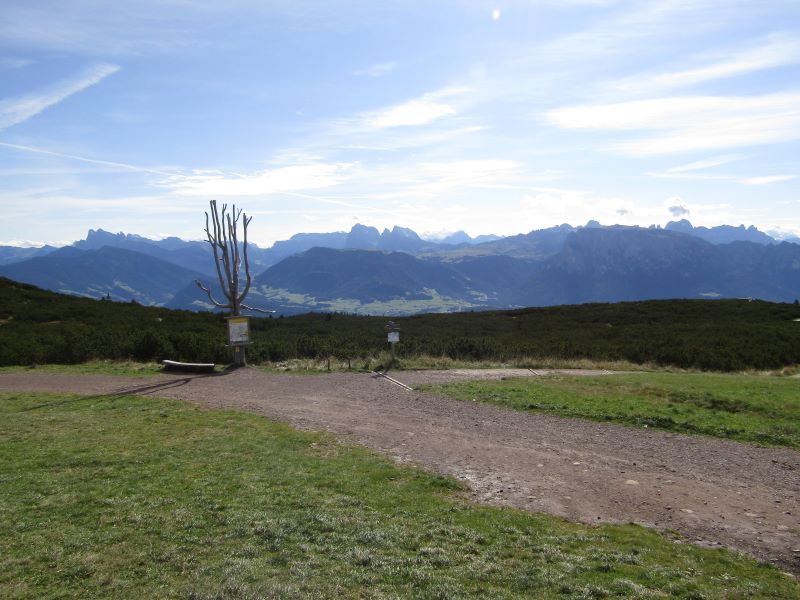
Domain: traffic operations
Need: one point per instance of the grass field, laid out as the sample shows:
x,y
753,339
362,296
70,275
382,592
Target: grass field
x,y
95,367
315,366
130,497
751,408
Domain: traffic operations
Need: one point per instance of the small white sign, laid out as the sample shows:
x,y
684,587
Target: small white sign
x,y
238,331
394,337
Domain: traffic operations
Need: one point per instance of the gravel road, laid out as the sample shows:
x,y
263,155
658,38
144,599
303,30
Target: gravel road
x,y
714,492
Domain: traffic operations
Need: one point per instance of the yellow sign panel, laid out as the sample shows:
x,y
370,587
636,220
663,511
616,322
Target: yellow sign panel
x,y
238,331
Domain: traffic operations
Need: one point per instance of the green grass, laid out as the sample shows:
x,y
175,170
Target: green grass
x,y
95,367
129,497
751,408
382,360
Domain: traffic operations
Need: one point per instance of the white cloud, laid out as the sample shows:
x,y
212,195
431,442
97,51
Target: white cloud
x,y
781,233
651,20
434,180
377,70
16,110
477,173
766,180
708,163
9,62
696,170
692,122
30,244
407,140
420,111
544,207
778,51
415,123
270,181
94,161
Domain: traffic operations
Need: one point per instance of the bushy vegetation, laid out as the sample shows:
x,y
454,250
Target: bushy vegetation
x,y
132,497
38,327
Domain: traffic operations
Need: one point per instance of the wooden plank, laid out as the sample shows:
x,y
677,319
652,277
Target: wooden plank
x,y
172,365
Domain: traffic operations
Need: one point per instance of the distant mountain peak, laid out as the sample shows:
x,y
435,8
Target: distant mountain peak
x,y
398,232
721,234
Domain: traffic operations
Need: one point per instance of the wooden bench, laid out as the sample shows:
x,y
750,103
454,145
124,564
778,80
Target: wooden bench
x,y
172,365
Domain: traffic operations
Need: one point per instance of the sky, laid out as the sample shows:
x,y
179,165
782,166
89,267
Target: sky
x,y
439,115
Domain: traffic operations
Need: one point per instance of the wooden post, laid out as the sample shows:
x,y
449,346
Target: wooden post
x,y
240,356
393,332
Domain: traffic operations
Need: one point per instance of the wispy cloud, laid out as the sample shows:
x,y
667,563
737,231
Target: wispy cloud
x,y
615,34
692,122
767,179
292,178
410,140
429,120
419,111
437,179
16,110
707,163
10,62
377,70
698,170
94,161
546,206
777,52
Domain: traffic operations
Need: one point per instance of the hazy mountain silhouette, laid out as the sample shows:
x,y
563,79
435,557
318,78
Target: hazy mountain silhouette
x,y
593,265
558,265
123,274
722,234
14,254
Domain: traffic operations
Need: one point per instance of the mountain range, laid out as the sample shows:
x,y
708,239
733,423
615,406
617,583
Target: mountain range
x,y
398,272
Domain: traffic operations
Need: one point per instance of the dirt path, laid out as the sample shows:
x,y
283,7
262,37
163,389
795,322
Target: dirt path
x,y
714,492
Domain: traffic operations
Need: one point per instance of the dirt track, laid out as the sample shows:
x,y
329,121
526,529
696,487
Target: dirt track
x,y
714,492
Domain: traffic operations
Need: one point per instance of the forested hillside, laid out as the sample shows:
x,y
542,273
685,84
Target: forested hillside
x,y
38,327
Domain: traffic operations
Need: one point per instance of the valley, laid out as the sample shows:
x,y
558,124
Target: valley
x,y
398,273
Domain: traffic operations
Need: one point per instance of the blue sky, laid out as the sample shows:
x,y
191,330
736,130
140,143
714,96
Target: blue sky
x,y
492,117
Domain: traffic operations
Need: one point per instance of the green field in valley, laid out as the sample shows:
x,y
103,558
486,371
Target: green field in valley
x,y
130,497
751,408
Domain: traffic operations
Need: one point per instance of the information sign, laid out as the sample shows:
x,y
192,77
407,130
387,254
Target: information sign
x,y
394,337
238,331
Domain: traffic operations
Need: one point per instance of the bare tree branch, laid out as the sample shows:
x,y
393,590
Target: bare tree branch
x,y
260,310
246,262
222,233
224,243
208,292
213,239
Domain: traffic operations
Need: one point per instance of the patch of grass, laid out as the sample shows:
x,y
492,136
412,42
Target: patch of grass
x,y
427,362
145,498
96,367
750,408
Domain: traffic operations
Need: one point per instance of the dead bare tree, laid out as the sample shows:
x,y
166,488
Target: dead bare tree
x,y
222,232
